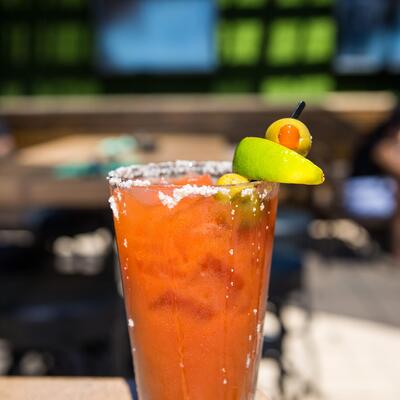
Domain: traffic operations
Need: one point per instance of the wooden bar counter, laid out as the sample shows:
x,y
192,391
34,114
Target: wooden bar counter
x,y
62,388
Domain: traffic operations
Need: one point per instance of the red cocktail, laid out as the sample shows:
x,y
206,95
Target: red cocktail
x,y
194,261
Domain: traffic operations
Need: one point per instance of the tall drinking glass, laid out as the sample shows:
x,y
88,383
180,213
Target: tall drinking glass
x,y
194,260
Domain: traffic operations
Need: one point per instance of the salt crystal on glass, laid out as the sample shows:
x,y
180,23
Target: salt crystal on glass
x,y
248,360
114,208
189,190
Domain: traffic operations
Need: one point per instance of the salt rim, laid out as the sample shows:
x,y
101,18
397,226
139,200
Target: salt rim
x,y
138,175
114,207
189,190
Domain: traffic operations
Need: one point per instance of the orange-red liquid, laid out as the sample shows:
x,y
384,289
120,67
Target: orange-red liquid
x,y
195,280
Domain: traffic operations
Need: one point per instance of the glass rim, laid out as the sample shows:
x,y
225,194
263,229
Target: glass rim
x,y
138,175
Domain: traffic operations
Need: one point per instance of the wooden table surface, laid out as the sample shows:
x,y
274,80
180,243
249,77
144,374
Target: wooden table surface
x,y
52,388
30,181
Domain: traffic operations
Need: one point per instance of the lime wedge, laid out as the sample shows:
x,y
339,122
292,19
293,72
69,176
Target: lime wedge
x,y
261,159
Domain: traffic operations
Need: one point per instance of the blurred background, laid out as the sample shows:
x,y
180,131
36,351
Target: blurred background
x,y
88,86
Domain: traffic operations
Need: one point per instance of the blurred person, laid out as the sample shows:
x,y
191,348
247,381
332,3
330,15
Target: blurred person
x,y
386,154
7,143
376,176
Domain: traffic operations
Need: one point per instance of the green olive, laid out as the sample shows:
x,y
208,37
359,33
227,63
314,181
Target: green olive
x,y
238,184
244,199
291,133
